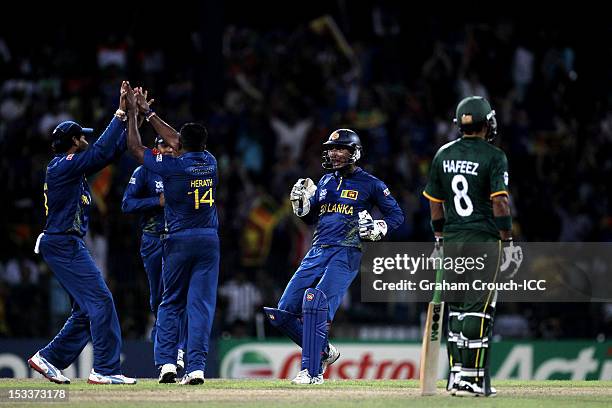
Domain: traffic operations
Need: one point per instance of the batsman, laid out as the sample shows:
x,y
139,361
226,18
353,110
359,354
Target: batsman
x,y
340,206
468,196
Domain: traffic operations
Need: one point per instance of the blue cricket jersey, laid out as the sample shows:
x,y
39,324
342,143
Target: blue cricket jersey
x,y
67,194
190,184
141,196
338,201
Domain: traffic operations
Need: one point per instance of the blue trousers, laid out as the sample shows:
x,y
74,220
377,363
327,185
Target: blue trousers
x,y
151,254
335,266
190,274
93,311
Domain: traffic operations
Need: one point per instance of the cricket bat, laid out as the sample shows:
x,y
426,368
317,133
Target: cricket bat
x,y
430,350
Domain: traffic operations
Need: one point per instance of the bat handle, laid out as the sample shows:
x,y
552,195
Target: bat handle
x,y
437,297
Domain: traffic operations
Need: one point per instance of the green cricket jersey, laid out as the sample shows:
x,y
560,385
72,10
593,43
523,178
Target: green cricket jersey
x,y
465,175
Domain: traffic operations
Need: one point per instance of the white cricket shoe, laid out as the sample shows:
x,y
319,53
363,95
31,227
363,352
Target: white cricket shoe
x,y
180,360
95,378
332,355
469,389
167,374
304,378
318,380
48,370
454,386
193,378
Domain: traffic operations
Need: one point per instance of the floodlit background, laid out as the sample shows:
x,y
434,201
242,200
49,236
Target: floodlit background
x,y
270,87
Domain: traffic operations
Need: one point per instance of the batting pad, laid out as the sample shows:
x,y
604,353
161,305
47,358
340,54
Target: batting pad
x,y
314,309
288,323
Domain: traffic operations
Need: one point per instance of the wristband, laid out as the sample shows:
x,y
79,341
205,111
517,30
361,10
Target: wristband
x,y
504,223
149,114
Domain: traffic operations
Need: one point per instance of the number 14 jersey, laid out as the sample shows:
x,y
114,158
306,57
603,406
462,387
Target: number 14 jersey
x,y
465,175
190,183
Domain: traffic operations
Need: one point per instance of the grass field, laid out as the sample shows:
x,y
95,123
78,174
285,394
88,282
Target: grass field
x,y
339,393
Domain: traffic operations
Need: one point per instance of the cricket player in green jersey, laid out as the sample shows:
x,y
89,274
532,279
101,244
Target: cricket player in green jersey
x,y
468,195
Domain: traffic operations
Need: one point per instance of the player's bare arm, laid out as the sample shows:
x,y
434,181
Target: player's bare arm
x,y
437,217
134,142
501,208
167,132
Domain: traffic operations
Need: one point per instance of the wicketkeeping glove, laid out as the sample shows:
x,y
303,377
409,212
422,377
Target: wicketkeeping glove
x,y
512,258
300,196
370,229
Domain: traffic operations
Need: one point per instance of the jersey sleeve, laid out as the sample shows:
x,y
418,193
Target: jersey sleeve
x,y
391,211
499,175
433,190
158,163
108,146
133,200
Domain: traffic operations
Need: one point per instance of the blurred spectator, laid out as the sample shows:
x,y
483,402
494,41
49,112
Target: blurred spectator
x,y
282,88
243,300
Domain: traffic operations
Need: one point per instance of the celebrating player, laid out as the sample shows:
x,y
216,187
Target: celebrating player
x,y
67,206
145,195
340,206
191,245
468,195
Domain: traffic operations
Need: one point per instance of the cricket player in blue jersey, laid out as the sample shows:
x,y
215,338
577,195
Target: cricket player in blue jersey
x,y
340,206
144,195
67,205
190,244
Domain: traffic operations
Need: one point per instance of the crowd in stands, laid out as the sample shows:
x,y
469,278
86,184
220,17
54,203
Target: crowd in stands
x,y
281,91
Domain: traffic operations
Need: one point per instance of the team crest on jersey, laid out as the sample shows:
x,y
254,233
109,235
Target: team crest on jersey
x,y
506,178
386,192
352,194
159,186
132,180
70,156
310,297
322,194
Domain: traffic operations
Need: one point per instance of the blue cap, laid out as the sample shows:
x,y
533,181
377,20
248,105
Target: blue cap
x,y
68,129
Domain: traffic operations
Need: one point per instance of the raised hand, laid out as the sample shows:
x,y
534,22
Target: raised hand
x,y
300,196
122,95
130,98
141,99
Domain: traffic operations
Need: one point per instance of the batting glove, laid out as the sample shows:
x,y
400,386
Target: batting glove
x,y
512,258
437,251
370,229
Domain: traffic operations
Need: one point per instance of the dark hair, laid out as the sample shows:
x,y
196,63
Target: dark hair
x,y
62,144
193,137
472,128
